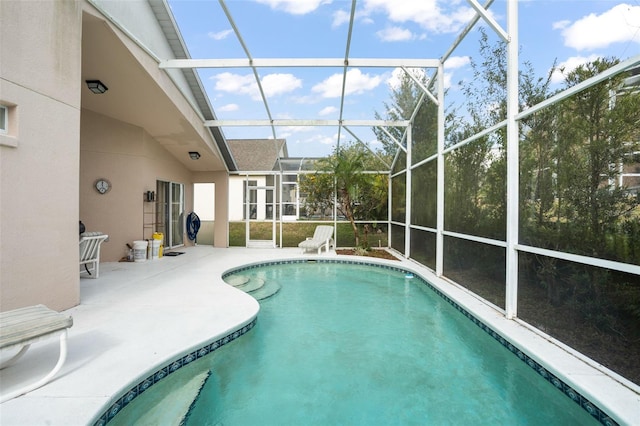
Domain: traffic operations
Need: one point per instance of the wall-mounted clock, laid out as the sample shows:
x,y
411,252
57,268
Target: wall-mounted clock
x,y
102,185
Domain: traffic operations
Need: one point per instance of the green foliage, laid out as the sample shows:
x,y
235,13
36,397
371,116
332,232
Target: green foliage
x,y
570,168
342,177
317,192
572,198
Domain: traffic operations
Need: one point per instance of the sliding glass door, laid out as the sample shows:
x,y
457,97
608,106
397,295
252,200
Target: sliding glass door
x,y
170,212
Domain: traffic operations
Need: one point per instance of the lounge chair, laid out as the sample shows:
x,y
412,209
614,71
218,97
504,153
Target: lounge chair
x,y
90,251
19,328
321,238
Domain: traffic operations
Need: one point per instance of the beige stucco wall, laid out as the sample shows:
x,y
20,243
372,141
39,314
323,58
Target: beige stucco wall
x,y
40,77
56,149
132,161
221,224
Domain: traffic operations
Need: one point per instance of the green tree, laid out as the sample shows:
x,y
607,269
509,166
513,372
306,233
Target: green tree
x,y
360,195
404,100
316,191
476,173
597,131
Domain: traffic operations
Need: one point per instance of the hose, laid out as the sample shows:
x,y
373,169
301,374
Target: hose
x,y
193,226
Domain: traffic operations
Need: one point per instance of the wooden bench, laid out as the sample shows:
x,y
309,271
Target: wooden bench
x,y
19,328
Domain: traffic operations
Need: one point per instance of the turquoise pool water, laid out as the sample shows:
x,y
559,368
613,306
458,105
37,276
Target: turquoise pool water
x,y
345,344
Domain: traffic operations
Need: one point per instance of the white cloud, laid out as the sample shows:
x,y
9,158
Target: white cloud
x,y
220,35
340,17
456,62
277,84
396,76
447,79
228,108
286,132
295,7
272,84
451,64
561,25
234,83
323,139
395,34
618,24
327,111
429,14
356,83
569,65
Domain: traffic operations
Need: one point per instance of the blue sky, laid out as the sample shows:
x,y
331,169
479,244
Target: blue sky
x,y
569,31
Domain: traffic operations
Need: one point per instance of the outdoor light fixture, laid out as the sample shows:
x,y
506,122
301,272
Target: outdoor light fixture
x,y
194,155
96,86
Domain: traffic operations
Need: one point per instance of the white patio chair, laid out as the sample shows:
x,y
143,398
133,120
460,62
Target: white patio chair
x,y
321,238
90,251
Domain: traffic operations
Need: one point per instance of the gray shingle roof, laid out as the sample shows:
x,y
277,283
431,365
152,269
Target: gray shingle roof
x,y
257,154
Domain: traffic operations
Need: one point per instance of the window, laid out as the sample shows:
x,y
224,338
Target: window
x,y
4,119
8,124
253,200
290,197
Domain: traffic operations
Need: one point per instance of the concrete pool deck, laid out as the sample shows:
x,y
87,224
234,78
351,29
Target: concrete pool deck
x,y
138,316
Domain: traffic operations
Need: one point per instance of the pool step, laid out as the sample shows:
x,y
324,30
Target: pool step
x,y
254,286
269,289
237,280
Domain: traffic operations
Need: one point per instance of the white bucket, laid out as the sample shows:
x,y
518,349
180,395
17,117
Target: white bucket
x,y
155,248
140,251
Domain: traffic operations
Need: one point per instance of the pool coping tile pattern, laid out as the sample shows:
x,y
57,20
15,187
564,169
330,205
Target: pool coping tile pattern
x,y
595,411
171,367
129,395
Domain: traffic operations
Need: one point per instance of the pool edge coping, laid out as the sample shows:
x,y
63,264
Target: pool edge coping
x,y
599,409
604,413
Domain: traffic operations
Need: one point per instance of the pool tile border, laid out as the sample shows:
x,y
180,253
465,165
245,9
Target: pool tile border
x,y
167,369
171,367
597,413
563,387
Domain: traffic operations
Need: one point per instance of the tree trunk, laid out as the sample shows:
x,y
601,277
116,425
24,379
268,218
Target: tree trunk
x,y
348,211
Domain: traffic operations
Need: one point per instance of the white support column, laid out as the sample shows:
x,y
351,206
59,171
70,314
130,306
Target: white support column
x,y
279,187
389,207
511,302
440,176
407,207
247,211
335,212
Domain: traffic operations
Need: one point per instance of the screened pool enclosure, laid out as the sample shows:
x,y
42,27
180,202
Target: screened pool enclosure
x,y
524,195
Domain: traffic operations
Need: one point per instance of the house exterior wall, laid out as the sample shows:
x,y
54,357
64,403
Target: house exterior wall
x,y
55,150
132,161
222,194
40,82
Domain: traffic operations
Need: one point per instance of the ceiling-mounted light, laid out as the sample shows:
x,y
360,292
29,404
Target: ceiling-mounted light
x,y
96,86
194,155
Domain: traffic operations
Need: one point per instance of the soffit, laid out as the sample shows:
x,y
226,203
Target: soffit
x,y
178,47
135,96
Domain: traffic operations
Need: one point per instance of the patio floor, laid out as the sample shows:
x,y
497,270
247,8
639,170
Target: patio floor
x,y
137,316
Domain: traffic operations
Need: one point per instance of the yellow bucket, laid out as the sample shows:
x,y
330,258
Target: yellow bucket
x,y
159,236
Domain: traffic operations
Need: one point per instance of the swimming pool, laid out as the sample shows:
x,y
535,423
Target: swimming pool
x,y
344,343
